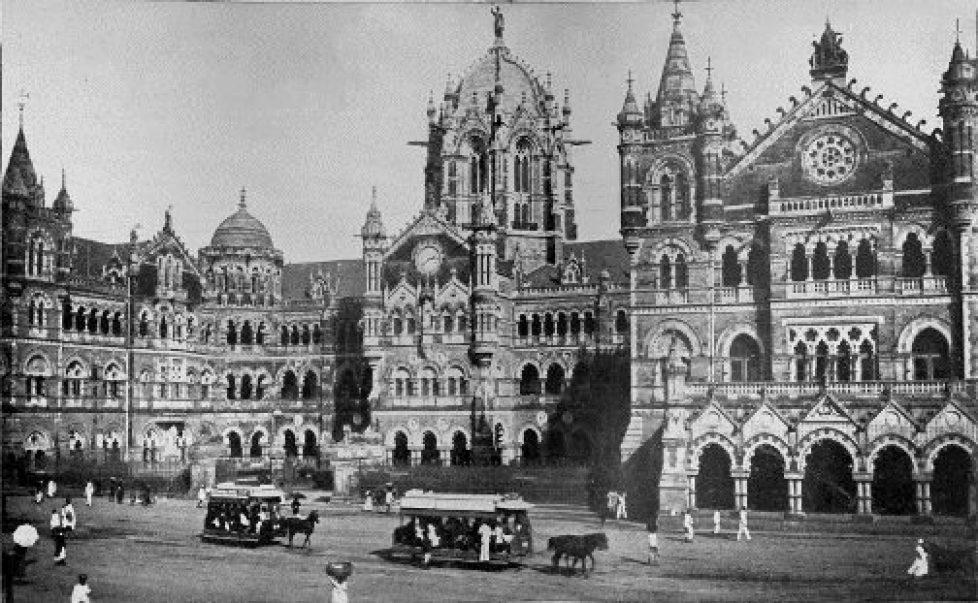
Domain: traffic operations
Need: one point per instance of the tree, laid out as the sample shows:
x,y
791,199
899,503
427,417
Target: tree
x,y
598,401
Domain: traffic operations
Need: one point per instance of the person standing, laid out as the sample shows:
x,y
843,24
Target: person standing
x,y
652,527
742,524
295,505
716,521
68,518
81,592
920,566
60,549
389,498
688,525
485,535
621,512
201,497
89,492
368,501
52,488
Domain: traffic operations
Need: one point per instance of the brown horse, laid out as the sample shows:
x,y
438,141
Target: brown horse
x,y
298,525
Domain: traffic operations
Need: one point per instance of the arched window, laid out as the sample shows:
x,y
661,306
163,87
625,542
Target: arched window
x,y
104,324
801,362
665,194
865,260
665,273
260,334
290,386
247,334
309,385
914,262
234,445
843,261
521,168
530,381
290,447
164,328
232,333
682,197
621,322
821,361
745,359
731,270
843,362
548,324
260,387
931,356
232,390
246,387
284,336
317,334
523,326
867,362
682,275
820,262
398,325
143,324
575,324
535,325
555,380
306,335
295,335
799,263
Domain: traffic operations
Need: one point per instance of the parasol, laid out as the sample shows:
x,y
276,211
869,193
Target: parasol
x,y
25,535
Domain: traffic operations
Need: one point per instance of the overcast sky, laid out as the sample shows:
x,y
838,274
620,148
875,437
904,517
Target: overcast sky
x,y
153,104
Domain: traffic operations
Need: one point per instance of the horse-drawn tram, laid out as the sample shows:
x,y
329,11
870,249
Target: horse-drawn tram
x,y
477,528
244,515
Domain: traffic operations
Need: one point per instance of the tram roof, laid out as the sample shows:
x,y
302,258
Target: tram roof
x,y
415,501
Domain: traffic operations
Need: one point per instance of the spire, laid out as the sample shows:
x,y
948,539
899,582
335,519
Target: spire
x,y
431,107
829,61
62,203
677,86
20,178
630,114
241,202
373,226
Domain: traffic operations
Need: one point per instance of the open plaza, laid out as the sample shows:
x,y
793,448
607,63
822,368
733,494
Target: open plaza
x,y
150,554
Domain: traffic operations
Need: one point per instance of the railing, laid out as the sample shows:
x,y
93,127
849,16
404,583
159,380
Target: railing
x,y
841,287
734,295
817,205
921,285
670,297
556,340
852,388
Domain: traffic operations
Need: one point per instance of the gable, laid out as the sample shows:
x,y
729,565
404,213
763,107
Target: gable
x,y
713,419
893,419
765,419
952,419
827,410
871,144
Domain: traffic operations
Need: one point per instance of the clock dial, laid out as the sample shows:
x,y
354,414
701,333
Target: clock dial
x,y
427,259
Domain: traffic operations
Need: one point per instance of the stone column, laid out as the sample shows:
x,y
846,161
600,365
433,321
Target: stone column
x,y
922,486
691,491
864,493
794,493
810,257
415,456
740,487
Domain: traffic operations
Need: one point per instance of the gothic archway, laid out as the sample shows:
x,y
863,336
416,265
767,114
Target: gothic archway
x,y
310,445
950,488
429,449
828,486
290,447
234,445
893,488
714,484
255,451
767,489
460,449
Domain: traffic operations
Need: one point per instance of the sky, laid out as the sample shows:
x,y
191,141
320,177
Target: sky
x,y
148,105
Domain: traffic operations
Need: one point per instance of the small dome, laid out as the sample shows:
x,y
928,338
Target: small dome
x,y
241,229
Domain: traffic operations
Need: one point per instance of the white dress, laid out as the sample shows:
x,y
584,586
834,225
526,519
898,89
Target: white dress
x,y
919,568
485,533
368,501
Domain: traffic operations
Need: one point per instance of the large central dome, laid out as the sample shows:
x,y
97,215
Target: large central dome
x,y
518,83
242,229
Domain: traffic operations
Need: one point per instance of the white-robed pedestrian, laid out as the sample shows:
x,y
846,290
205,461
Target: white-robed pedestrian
x,y
52,488
688,525
920,566
622,510
368,501
68,518
485,535
89,493
742,524
201,497
716,521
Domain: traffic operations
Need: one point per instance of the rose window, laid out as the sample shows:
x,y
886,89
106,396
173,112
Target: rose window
x,y
830,159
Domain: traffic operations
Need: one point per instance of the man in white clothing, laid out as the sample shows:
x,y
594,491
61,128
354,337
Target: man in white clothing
x,y
89,492
716,521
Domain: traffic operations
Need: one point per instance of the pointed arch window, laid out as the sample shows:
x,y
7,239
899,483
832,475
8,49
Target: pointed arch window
x,y
914,262
799,263
665,194
682,197
731,270
801,362
943,258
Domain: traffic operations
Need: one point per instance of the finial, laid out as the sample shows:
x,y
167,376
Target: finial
x,y
63,179
709,67
676,15
20,104
630,80
499,23
548,81
241,203
373,197
723,92
957,31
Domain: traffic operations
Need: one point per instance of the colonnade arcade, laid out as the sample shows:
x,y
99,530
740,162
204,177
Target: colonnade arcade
x,y
828,473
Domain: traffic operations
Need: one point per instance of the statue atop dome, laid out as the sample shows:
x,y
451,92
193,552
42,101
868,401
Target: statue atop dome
x,y
499,23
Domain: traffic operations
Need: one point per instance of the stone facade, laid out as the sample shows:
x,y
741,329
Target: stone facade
x,y
809,288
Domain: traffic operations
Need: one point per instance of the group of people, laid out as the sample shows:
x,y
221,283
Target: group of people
x,y
254,519
62,522
486,536
384,497
689,530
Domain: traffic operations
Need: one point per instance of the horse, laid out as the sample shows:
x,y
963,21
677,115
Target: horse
x,y
577,547
297,525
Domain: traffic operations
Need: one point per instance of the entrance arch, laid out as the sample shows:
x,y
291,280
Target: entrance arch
x,y
310,448
401,455
291,449
893,489
767,489
714,484
429,449
530,450
234,444
951,486
828,485
255,450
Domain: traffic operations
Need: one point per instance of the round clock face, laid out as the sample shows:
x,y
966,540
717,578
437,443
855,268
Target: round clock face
x,y
829,158
427,259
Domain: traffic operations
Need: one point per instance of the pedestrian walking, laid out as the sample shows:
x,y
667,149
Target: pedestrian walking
x,y
201,497
688,525
89,492
60,537
81,592
54,522
38,494
742,524
52,488
652,527
920,566
621,511
485,534
295,505
68,517
389,498
368,501
716,521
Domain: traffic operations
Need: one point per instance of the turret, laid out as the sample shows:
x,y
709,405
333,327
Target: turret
x,y
62,203
374,245
711,121
958,107
676,99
